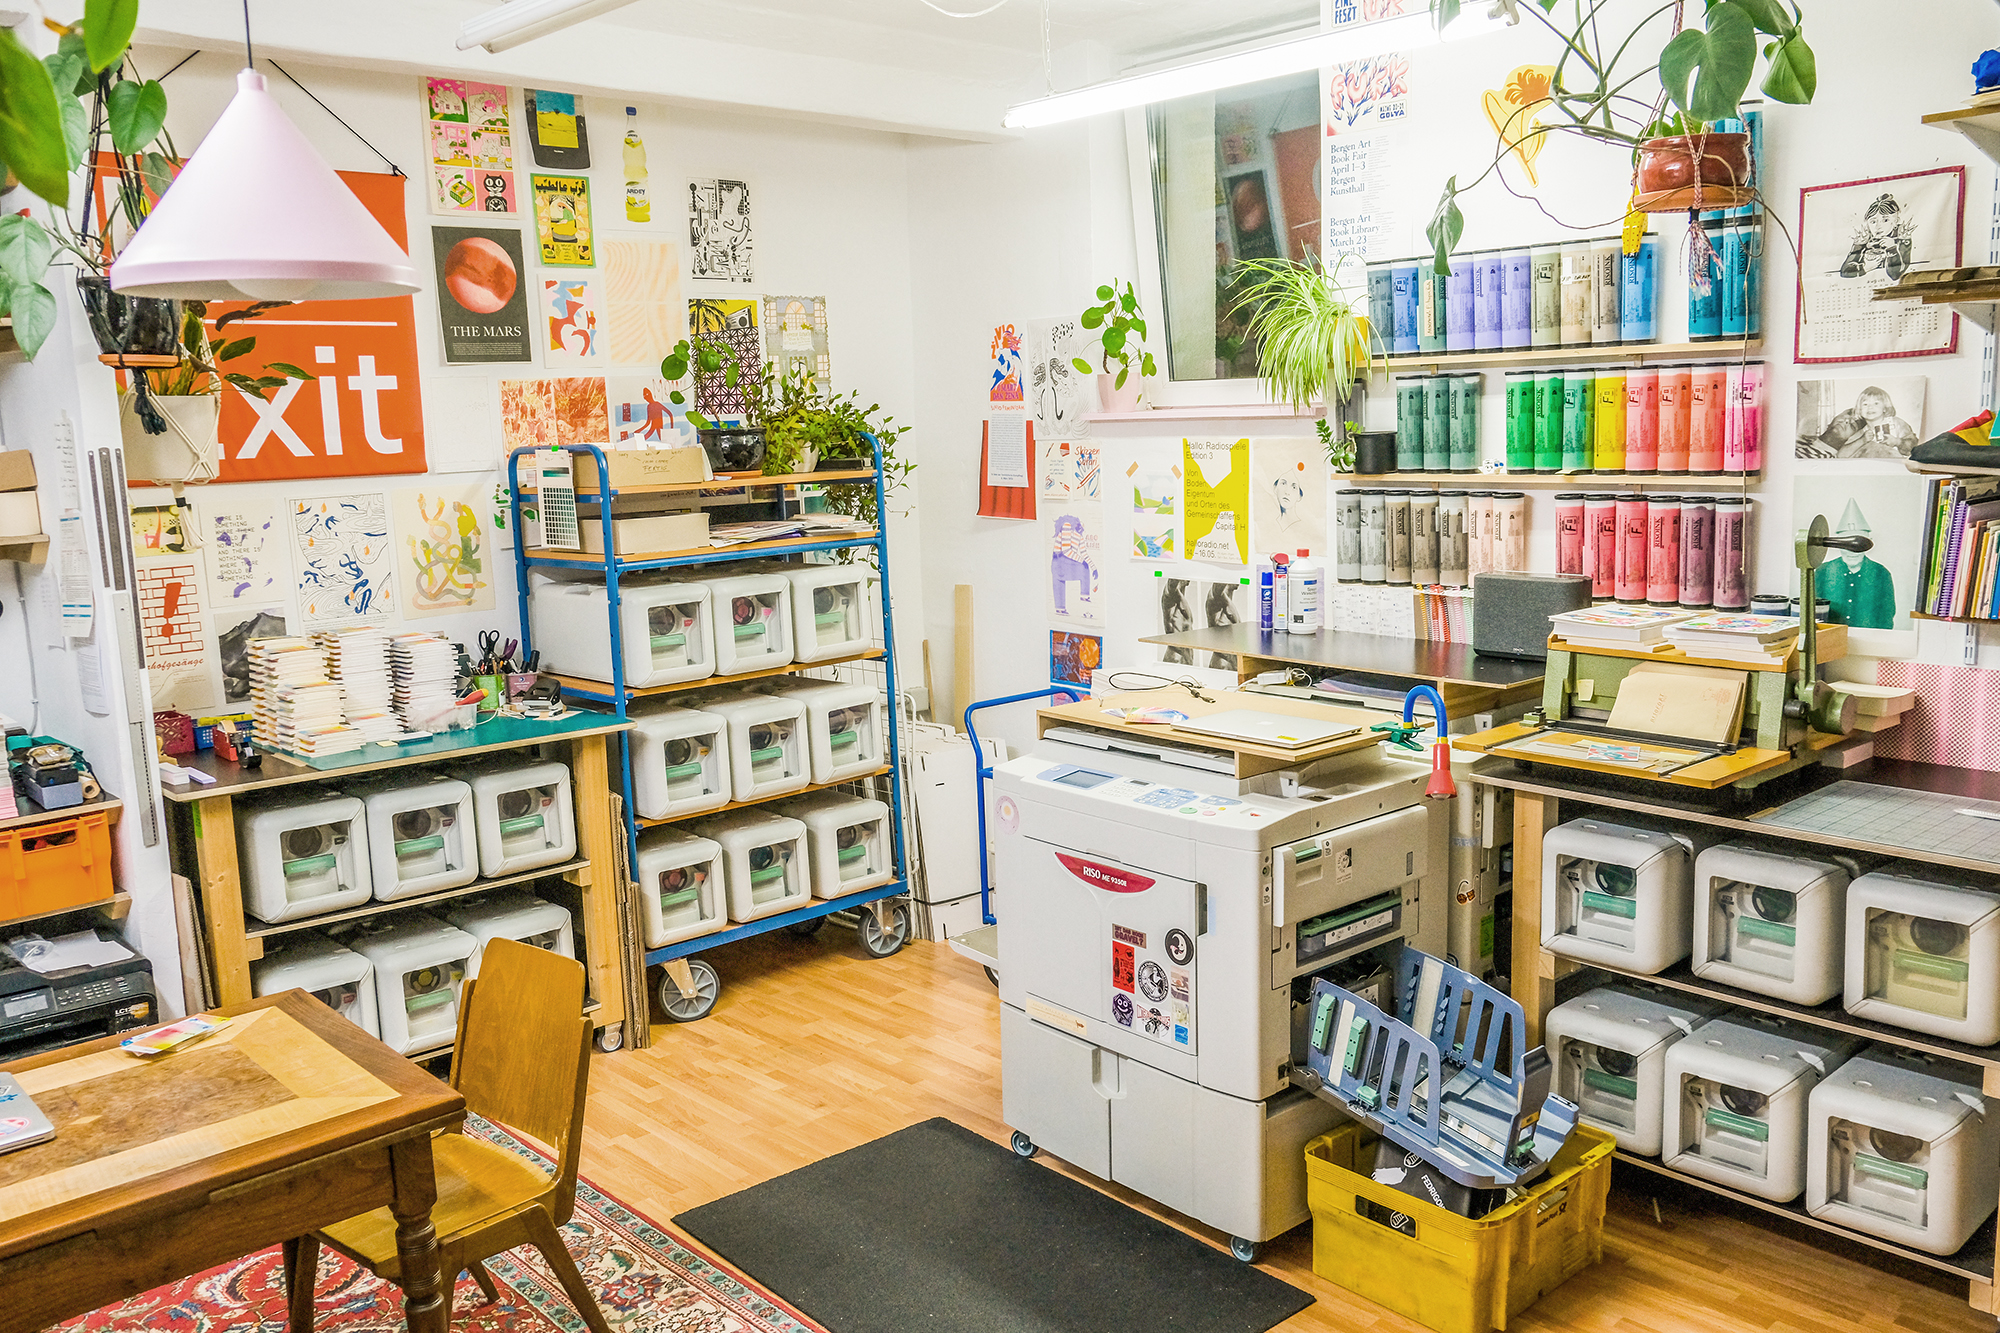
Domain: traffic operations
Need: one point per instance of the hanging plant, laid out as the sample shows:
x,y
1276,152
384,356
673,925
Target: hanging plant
x,y
1311,340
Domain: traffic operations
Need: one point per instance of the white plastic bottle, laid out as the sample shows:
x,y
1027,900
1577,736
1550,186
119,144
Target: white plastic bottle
x,y
1281,613
1307,579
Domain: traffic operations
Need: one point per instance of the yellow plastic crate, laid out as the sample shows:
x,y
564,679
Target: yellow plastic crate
x,y
1456,1274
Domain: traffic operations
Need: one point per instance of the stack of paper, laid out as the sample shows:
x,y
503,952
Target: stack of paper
x,y
1737,638
1625,628
358,661
424,677
1881,706
288,677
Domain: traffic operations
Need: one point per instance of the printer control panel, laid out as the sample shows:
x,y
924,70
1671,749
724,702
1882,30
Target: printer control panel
x,y
1152,795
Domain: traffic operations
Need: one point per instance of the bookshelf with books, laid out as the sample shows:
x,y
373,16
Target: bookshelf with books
x,y
1959,565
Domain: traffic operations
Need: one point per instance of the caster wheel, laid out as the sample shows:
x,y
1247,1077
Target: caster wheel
x,y
684,1008
993,977
1246,1250
877,942
611,1038
807,928
1023,1145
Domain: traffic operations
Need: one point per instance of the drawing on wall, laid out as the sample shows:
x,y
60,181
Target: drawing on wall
x,y
569,313
1058,391
482,299
1287,496
471,147
552,412
1871,591
1186,604
345,577
1058,470
557,134
734,323
442,550
1073,656
642,415
1155,506
234,632
795,337
246,553
1075,535
1216,477
156,530
719,241
1880,418
644,312
174,633
1004,383
562,220
1515,113
1089,478
1863,235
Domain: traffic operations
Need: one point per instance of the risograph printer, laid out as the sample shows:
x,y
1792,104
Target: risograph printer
x,y
1164,922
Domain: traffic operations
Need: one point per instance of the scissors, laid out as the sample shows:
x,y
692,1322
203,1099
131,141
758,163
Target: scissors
x,y
493,655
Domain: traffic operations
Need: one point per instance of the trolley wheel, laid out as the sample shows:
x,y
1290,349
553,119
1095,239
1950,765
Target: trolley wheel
x,y
1246,1250
807,928
684,1008
1023,1145
993,977
877,942
611,1037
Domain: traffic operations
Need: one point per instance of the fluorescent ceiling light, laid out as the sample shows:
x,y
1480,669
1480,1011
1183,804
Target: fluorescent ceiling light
x,y
521,21
1228,71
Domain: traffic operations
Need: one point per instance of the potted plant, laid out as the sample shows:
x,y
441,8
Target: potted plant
x,y
170,429
1679,161
711,358
1312,342
1121,340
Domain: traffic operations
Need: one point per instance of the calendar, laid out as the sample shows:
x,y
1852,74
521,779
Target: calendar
x,y
1861,235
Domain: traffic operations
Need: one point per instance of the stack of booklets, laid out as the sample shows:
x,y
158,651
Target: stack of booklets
x,y
1757,640
1960,566
358,661
281,669
424,678
1624,628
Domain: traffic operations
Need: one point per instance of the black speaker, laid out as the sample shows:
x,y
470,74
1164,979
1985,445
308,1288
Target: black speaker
x,y
1510,612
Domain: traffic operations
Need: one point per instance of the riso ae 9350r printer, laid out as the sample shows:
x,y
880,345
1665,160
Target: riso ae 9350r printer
x,y
1164,922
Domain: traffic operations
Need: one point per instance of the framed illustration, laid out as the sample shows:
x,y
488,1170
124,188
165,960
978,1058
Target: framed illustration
x,y
1861,235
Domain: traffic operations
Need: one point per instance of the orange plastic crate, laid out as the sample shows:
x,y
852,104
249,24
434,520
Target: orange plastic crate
x,y
55,865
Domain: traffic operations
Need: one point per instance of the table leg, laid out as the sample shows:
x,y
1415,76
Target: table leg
x,y
424,1305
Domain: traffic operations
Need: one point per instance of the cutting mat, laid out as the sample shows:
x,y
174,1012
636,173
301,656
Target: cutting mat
x,y
1919,821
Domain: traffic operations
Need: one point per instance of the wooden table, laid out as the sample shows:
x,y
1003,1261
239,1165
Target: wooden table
x,y
288,1120
1469,683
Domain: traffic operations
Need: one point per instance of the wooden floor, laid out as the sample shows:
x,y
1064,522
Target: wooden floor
x,y
815,1048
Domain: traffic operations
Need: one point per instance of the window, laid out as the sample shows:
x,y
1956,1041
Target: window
x,y
1235,176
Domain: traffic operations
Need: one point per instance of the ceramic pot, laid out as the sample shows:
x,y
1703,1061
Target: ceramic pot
x,y
734,448
148,326
1670,164
1374,452
1112,399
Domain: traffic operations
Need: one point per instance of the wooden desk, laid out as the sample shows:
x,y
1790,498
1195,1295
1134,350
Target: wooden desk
x,y
1469,683
1248,757
289,1120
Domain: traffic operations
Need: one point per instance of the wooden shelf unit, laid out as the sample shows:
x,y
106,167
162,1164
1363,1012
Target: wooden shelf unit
x,y
116,908
600,690
1580,481
1628,354
725,483
377,908
754,802
103,805
653,559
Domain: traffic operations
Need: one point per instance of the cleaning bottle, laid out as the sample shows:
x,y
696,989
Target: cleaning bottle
x,y
1305,577
637,207
1263,574
1281,612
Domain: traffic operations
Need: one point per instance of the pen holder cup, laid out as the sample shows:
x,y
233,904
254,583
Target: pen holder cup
x,y
520,682
494,687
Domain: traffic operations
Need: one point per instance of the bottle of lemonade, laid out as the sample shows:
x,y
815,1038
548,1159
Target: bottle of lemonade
x,y
637,209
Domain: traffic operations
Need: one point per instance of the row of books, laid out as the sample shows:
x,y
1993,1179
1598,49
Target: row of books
x,y
1729,635
1961,555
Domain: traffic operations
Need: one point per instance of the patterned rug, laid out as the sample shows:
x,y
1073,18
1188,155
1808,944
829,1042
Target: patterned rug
x,y
646,1282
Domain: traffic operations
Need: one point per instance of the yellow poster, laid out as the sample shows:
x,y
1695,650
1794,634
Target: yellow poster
x,y
1217,478
562,220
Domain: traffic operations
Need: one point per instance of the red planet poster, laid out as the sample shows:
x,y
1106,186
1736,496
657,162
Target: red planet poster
x,y
482,294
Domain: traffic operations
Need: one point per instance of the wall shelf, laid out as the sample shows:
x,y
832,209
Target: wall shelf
x,y
644,822
1571,480
1209,412
726,483
1630,354
376,908
32,549
117,907
698,554
1980,124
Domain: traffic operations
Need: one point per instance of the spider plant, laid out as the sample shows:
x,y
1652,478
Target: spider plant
x,y
1311,340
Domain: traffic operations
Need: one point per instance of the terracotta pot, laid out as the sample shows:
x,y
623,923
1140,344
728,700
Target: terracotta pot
x,y
1669,164
1111,399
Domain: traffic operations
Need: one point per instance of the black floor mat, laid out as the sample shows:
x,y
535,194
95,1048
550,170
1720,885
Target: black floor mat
x,y
934,1228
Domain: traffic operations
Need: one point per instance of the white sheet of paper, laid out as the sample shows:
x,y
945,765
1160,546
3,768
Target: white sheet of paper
x,y
1007,447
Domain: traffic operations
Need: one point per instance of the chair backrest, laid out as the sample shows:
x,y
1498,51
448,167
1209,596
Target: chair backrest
x,y
523,1055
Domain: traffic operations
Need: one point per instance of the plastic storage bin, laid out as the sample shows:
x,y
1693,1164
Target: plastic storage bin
x,y
830,611
1923,952
843,726
512,916
524,817
1451,1273
338,977
768,750
753,619
1770,922
56,864
763,862
420,838
680,762
680,882
303,858
849,841
1616,894
1903,1146
1610,1045
666,630
1735,1109
419,965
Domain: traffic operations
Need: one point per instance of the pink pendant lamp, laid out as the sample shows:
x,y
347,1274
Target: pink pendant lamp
x,y
256,214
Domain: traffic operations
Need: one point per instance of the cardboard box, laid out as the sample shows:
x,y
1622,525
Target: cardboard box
x,y
642,467
645,536
17,470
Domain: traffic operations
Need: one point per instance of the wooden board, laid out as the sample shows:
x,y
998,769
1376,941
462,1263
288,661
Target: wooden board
x,y
1832,646
1374,654
1251,759
1708,774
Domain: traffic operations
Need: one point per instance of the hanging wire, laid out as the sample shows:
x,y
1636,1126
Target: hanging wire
x,y
249,55
336,115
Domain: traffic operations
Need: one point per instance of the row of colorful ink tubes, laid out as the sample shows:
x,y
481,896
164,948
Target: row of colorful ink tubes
x,y
1427,537
1662,550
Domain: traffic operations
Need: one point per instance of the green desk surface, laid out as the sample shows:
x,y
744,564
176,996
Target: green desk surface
x,y
280,770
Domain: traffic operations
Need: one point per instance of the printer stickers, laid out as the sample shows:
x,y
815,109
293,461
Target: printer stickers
x,y
1152,985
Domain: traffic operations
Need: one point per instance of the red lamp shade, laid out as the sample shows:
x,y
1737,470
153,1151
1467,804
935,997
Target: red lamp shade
x,y
1441,786
257,214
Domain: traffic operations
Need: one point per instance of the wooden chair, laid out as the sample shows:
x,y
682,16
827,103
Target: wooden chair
x,y
522,1061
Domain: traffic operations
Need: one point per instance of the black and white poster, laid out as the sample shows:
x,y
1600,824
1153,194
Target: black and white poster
x,y
482,295
1863,235
719,242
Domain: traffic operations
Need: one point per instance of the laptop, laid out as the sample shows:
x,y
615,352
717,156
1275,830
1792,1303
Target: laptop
x,y
1280,731
21,1121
